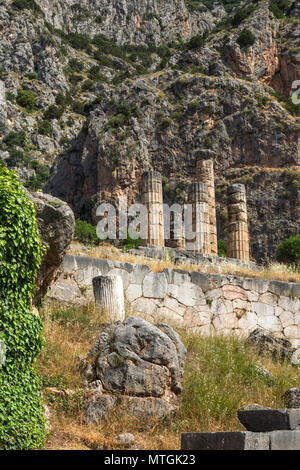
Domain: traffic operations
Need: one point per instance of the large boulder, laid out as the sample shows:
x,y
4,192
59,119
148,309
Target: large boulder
x,y
279,348
56,223
136,364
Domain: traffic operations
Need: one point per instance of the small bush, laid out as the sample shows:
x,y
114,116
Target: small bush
x,y
26,99
41,175
61,100
197,41
293,108
193,106
26,4
246,38
78,41
288,251
31,76
45,128
74,78
240,15
103,59
279,8
53,112
85,232
10,96
78,107
222,248
165,123
87,85
75,65
130,243
15,138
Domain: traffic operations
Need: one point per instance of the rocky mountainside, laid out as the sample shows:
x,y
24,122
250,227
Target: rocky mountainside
x,y
93,92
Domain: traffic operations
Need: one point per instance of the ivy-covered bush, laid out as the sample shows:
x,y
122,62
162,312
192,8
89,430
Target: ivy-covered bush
x,y
22,424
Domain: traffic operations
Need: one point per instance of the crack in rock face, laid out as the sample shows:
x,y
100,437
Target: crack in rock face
x,y
141,363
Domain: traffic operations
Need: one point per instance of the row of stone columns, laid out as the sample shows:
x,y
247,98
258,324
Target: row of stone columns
x,y
201,198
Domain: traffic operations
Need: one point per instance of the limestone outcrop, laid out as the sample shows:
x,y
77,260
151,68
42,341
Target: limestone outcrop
x,y
136,364
56,225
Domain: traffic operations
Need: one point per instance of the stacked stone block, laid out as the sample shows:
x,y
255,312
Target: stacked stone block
x,y
152,198
205,174
267,429
199,222
238,235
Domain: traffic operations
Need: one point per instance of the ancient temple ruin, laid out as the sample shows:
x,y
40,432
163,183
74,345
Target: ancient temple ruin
x,y
202,219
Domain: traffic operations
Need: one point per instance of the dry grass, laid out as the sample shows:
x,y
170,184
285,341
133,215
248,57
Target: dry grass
x,y
276,271
220,377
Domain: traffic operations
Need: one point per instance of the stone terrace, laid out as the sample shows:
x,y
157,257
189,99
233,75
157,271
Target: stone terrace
x,y
205,302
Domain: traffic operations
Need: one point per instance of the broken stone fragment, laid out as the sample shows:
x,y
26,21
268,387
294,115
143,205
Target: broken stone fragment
x,y
280,348
292,398
265,420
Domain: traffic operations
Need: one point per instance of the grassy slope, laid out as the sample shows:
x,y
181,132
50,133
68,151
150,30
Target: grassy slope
x,y
220,377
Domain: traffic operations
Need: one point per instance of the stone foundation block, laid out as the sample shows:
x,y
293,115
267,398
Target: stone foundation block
x,y
225,441
285,440
270,420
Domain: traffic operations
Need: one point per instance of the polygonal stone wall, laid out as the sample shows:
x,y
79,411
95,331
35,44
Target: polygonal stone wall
x,y
205,302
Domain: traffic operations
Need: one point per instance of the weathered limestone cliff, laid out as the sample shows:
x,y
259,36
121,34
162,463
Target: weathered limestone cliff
x,y
93,93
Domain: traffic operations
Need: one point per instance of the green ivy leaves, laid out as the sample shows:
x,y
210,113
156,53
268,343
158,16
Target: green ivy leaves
x,y
22,424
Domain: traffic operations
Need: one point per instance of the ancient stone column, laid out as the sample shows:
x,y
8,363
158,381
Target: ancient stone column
x,y
109,296
177,240
152,198
175,237
198,199
205,174
238,236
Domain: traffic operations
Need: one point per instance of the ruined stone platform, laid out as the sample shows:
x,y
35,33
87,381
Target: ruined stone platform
x,y
267,429
183,256
243,440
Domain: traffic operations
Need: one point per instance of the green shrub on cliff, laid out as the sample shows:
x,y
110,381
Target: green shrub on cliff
x,y
279,8
288,251
85,232
246,38
22,424
26,99
26,4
